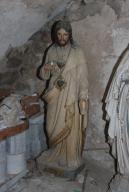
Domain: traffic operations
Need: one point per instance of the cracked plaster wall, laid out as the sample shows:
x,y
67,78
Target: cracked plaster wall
x,y
100,27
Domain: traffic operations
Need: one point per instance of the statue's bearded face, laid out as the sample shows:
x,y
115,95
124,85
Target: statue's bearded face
x,y
62,37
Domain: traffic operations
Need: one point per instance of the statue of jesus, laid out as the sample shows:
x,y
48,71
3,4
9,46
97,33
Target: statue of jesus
x,y
66,95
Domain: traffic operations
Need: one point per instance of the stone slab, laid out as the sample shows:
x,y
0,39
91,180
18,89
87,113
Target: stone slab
x,y
11,181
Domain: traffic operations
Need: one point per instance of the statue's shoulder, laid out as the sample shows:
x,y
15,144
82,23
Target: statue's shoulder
x,y
78,49
76,46
50,48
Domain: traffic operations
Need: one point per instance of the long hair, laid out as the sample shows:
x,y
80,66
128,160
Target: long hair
x,y
61,24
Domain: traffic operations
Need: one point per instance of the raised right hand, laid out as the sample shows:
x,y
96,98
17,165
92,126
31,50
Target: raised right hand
x,y
48,66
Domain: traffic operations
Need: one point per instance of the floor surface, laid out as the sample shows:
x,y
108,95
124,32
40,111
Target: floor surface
x,y
93,178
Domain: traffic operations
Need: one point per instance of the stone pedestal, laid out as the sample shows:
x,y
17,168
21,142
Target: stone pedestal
x,y
35,137
120,184
12,155
16,147
57,170
64,172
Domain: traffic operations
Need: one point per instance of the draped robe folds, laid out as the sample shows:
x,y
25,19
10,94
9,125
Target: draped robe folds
x,y
117,107
64,126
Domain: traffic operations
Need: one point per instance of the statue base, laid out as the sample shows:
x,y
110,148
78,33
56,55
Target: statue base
x,y
64,172
59,170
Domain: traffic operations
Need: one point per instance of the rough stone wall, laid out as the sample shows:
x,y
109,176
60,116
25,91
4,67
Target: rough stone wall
x,y
19,19
101,28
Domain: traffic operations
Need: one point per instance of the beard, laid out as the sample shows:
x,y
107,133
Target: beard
x,y
62,43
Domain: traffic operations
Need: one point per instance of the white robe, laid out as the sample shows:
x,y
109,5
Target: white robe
x,y
117,105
